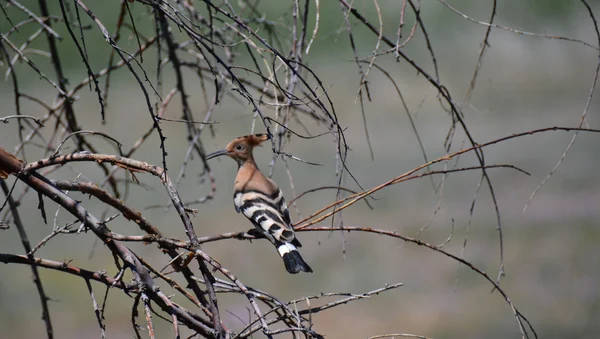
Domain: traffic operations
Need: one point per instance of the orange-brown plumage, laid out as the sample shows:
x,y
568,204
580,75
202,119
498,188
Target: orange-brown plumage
x,y
261,201
249,177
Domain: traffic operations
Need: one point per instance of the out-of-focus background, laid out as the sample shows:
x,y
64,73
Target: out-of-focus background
x,y
551,256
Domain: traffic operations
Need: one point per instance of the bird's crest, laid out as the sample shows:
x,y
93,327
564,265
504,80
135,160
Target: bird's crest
x,y
255,139
244,145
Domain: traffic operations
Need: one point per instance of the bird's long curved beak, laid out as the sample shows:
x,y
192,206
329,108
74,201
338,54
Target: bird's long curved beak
x,y
217,154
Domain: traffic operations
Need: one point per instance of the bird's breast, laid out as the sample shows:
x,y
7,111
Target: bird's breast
x,y
238,200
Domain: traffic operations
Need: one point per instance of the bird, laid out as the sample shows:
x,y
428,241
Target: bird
x,y
260,200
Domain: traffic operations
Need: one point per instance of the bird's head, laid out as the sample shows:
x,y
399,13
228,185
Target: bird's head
x,y
240,149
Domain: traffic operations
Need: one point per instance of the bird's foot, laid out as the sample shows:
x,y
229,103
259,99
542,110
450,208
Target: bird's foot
x,y
255,233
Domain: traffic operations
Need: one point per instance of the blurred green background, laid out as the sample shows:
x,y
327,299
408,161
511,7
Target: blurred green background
x,y
551,252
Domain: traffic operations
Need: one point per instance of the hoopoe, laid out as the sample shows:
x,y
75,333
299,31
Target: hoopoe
x,y
261,201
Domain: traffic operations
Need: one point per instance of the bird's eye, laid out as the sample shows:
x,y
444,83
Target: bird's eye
x,y
239,147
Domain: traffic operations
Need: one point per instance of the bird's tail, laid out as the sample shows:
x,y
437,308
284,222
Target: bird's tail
x,y
292,259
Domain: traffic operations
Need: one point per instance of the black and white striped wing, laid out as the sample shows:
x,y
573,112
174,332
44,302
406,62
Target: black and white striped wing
x,y
267,212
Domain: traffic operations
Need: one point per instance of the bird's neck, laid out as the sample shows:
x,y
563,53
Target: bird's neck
x,y
249,176
247,164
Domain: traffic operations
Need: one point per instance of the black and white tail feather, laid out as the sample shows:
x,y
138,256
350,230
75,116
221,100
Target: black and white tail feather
x,y
271,218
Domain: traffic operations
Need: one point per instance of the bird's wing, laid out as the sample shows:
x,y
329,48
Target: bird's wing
x,y
265,210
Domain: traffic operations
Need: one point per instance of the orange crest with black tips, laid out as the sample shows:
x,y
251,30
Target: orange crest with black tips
x,y
241,148
256,139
